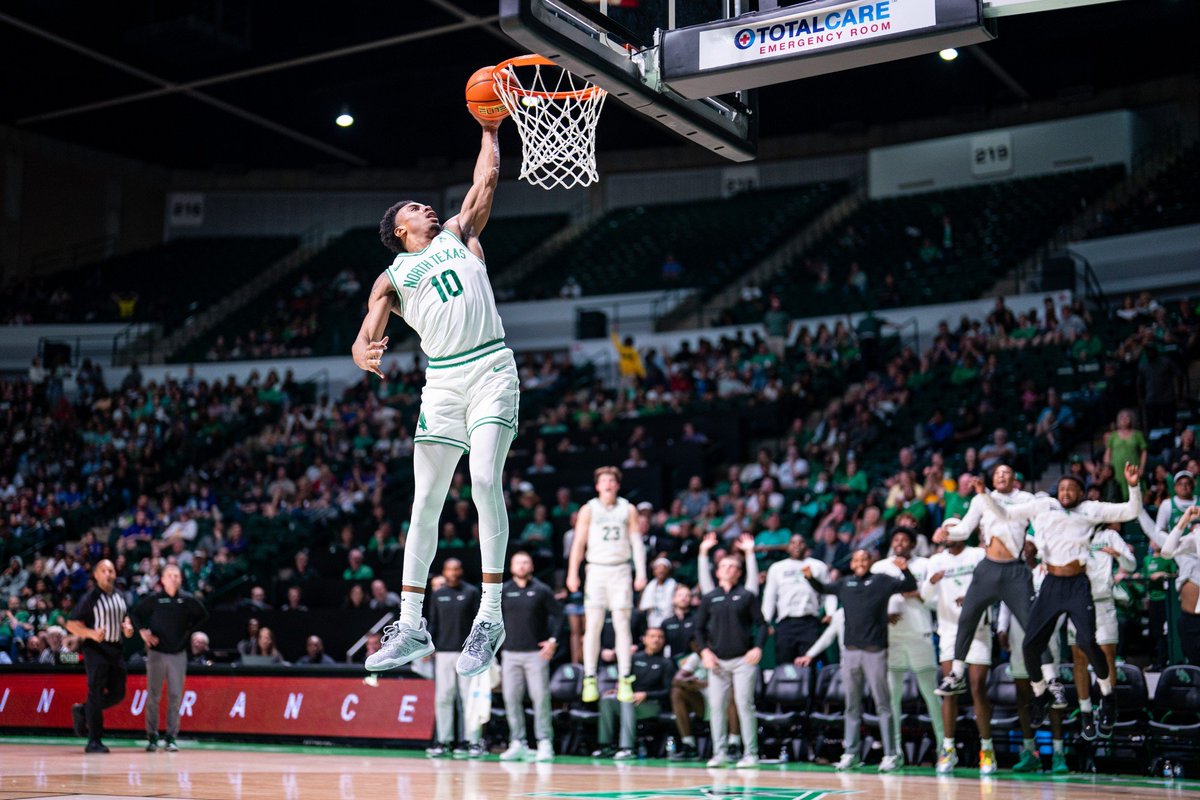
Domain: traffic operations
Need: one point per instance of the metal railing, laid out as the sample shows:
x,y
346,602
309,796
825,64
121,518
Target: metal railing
x,y
352,651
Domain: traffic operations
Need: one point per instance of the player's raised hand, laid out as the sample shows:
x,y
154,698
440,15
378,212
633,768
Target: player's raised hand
x,y
1132,474
708,543
745,543
979,485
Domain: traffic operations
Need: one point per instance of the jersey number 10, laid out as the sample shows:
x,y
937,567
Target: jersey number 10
x,y
447,285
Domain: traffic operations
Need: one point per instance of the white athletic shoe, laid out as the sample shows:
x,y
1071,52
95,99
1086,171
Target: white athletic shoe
x,y
479,650
890,764
947,761
847,761
401,644
718,761
748,762
517,751
545,751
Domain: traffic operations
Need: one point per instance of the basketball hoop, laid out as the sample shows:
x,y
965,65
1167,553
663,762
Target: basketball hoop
x,y
556,114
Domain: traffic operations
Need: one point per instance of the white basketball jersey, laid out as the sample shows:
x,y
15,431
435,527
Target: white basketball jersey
x,y
446,297
959,570
915,617
608,535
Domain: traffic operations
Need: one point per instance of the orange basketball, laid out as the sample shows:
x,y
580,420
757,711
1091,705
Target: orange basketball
x,y
482,100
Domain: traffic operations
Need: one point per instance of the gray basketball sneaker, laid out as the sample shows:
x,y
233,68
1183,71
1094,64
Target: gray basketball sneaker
x,y
480,648
401,644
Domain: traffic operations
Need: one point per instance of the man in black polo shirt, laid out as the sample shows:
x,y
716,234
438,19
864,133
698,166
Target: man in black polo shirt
x,y
731,633
532,618
652,673
451,610
864,597
100,621
680,627
166,620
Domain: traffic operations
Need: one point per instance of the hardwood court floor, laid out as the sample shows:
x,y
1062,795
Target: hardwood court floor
x,y
52,770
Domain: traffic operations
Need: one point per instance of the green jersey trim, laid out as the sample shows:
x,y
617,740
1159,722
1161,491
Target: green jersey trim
x,y
458,359
511,424
399,297
433,438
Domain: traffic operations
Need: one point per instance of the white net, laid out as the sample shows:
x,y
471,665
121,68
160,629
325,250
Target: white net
x,y
556,114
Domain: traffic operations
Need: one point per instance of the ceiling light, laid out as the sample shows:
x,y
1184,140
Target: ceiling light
x,y
344,120
949,54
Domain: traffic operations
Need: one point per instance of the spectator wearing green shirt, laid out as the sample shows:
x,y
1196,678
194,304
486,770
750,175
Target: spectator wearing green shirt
x,y
1087,349
357,570
958,501
564,509
778,324
1158,571
1125,445
771,543
449,539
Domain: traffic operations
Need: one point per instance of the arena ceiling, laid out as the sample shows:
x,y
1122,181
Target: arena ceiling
x,y
59,55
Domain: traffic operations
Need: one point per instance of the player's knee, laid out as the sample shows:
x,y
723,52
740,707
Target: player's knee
x,y
483,486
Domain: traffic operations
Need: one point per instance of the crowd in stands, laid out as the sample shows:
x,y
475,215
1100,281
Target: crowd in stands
x,y
204,474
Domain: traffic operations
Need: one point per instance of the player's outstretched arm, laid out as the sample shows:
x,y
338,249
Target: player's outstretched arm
x,y
1122,512
370,345
477,205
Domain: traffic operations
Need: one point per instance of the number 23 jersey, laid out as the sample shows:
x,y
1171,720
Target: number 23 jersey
x,y
446,297
608,534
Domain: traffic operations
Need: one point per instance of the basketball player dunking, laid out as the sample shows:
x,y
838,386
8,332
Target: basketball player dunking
x,y
438,283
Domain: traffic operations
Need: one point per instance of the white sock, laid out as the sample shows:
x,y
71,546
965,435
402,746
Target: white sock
x,y
489,603
958,668
1085,705
411,604
947,744
1030,745
690,741
1039,688
1048,673
735,739
1106,685
986,744
1057,745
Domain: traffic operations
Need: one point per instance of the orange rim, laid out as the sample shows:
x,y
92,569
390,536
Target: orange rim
x,y
533,60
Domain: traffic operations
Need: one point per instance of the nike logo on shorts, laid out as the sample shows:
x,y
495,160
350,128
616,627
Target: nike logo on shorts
x,y
497,369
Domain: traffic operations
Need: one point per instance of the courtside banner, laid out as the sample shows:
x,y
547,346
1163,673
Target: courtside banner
x,y
237,704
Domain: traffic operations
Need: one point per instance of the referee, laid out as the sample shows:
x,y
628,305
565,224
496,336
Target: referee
x,y
451,611
166,620
100,621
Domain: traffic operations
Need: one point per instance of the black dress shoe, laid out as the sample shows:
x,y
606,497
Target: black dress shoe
x,y
95,747
79,720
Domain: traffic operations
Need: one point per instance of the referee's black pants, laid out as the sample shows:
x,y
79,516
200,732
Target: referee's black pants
x,y
105,683
1071,596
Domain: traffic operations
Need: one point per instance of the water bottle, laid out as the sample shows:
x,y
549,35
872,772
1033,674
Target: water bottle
x,y
1177,772
670,746
1168,769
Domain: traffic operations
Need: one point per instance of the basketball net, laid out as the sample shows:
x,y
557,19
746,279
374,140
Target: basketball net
x,y
556,114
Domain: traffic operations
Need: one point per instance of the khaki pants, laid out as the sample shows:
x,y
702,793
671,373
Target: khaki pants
x,y
451,693
733,675
521,673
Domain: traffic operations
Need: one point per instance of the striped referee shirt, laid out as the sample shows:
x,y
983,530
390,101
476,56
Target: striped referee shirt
x,y
98,609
